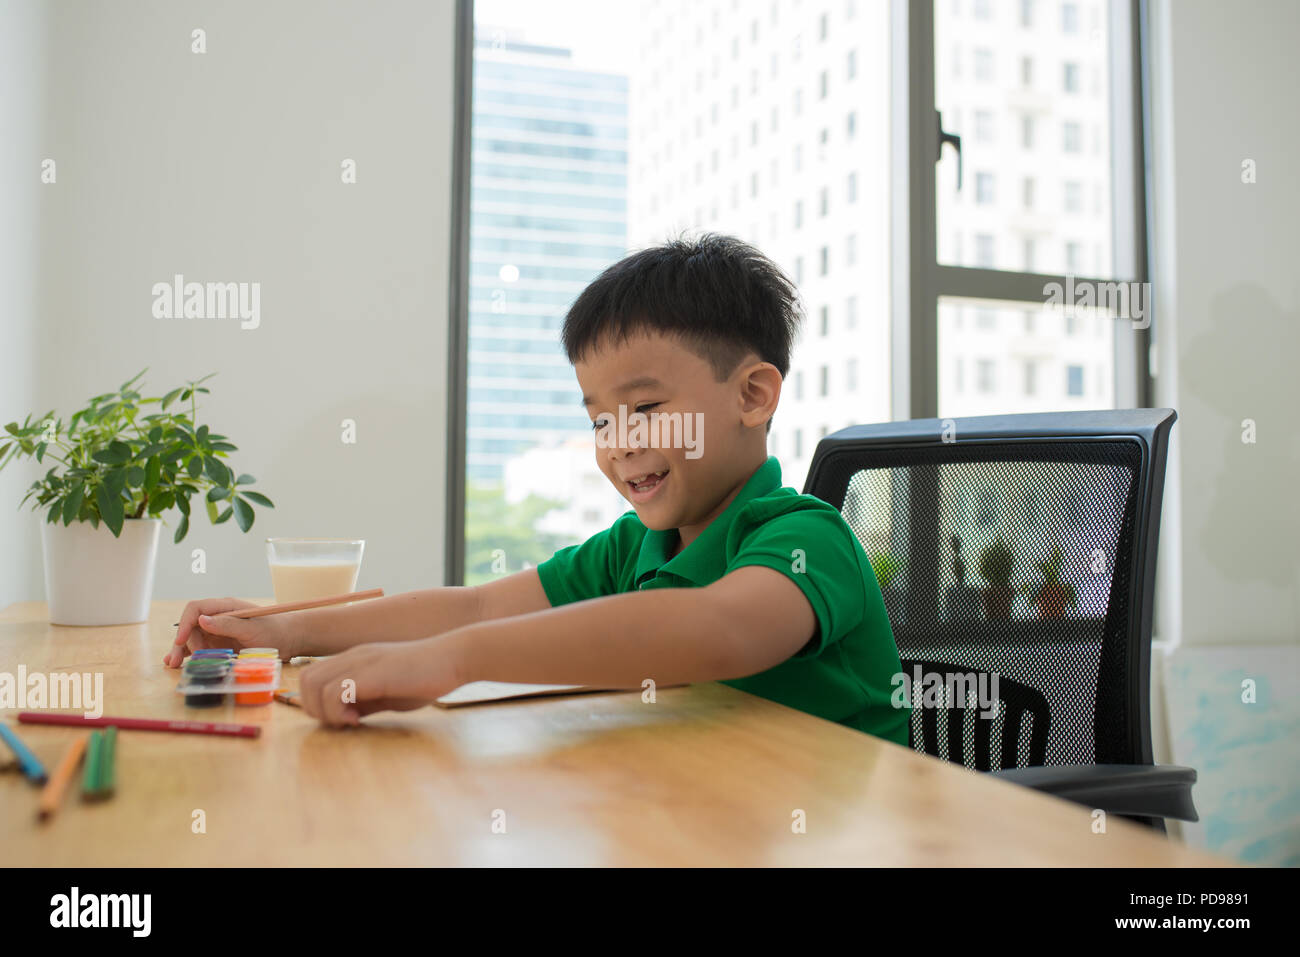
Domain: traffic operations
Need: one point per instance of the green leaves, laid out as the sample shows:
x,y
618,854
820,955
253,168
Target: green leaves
x,y
112,462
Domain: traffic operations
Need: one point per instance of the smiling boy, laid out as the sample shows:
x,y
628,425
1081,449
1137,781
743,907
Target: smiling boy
x,y
717,574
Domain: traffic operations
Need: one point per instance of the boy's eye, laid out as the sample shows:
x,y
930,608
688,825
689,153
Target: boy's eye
x,y
648,405
597,425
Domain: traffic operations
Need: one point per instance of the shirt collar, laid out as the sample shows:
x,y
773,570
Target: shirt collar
x,y
696,562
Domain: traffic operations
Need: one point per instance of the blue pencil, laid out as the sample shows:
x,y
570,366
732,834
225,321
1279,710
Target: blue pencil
x,y
27,761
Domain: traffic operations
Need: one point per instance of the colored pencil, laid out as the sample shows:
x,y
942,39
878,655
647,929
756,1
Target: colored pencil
x,y
100,775
52,796
288,697
27,762
141,724
94,756
299,605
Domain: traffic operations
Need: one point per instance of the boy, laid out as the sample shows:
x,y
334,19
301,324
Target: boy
x,y
717,574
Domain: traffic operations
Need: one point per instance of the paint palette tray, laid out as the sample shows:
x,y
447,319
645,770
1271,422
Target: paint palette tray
x,y
210,680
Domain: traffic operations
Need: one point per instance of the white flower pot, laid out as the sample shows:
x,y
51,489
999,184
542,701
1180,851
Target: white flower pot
x,y
92,578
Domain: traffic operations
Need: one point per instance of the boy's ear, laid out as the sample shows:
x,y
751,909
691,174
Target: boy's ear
x,y
760,391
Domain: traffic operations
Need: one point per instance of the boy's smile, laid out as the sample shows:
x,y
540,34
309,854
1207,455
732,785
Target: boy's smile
x,y
668,482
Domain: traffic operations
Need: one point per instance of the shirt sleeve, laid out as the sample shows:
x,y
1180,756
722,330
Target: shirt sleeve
x,y
817,551
591,569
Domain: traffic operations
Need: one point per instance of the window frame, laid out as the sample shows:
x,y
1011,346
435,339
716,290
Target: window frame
x,y
919,281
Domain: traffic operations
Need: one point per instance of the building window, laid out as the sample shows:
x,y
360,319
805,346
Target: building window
x,y
851,250
825,206
798,271
825,320
1029,255
798,213
1073,257
798,443
984,251
1072,137
1074,380
984,65
853,188
825,261
1027,192
1073,196
1026,13
1026,71
983,189
986,319
851,375
1031,369
798,385
983,10
853,64
1027,132
825,84
1069,18
984,376
851,313
1070,79
825,383
851,124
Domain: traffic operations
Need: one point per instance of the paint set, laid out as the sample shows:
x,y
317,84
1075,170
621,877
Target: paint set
x,y
211,676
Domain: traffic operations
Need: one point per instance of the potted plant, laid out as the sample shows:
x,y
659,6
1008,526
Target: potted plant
x,y
117,472
995,565
887,569
1051,595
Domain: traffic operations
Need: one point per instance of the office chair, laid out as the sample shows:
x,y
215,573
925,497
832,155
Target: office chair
x,y
1021,548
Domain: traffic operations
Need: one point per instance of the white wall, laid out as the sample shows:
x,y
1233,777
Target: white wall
x,y
22,77
225,166
1227,300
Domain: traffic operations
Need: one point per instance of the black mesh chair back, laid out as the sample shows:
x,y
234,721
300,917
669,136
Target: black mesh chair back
x,y
1021,546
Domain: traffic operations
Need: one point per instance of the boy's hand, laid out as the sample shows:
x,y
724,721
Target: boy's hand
x,y
200,627
383,676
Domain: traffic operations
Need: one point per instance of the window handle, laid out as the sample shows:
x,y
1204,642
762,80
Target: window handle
x,y
952,138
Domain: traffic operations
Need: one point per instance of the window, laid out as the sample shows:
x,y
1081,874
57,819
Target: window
x,y
1073,196
1069,18
825,320
1070,78
824,385
1071,137
798,385
559,185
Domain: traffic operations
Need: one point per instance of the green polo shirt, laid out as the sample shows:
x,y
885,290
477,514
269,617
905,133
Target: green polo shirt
x,y
844,673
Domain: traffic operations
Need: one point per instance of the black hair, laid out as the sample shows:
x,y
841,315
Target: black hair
x,y
721,296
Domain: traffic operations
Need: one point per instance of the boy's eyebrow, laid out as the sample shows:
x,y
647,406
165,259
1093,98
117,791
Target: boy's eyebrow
x,y
640,382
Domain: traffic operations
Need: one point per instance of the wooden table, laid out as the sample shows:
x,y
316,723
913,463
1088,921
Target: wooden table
x,y
706,776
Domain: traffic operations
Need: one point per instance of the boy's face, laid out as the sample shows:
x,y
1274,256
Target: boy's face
x,y
680,477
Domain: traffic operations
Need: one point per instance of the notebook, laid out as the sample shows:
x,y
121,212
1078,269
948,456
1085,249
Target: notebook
x,y
478,692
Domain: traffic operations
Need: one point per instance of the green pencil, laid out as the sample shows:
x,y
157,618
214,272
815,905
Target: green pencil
x,y
90,779
100,776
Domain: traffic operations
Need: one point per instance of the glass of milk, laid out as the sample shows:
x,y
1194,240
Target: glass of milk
x,y
305,568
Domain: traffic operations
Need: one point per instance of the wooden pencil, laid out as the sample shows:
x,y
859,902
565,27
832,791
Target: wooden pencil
x,y
52,796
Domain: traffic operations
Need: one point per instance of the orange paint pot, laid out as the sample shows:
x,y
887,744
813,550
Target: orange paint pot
x,y
254,673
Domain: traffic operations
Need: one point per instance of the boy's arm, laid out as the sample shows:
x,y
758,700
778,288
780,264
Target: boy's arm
x,y
417,614
748,621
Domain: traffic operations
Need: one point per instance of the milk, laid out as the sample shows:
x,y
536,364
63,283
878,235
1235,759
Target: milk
x,y
302,581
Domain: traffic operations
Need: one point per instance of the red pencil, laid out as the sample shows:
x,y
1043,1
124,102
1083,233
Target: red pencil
x,y
141,724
